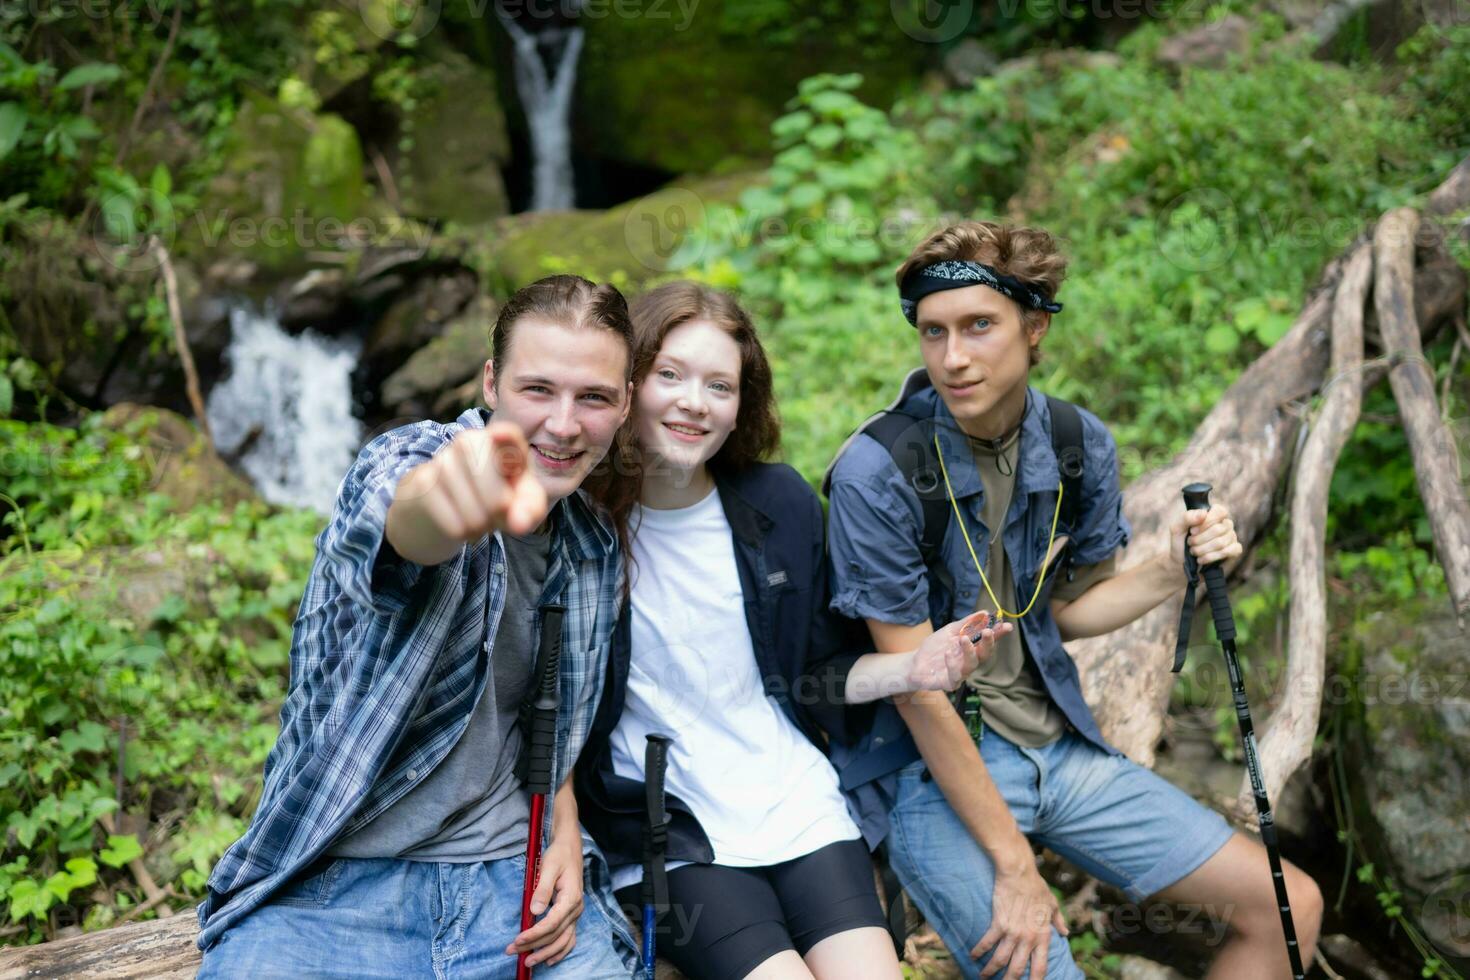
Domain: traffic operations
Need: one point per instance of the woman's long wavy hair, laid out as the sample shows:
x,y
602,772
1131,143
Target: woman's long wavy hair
x,y
757,433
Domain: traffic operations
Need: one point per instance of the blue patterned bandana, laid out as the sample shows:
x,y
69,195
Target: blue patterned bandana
x,y
955,274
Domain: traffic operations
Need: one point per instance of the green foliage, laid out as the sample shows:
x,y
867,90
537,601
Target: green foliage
x,y
1196,226
1196,211
194,682
1095,962
42,123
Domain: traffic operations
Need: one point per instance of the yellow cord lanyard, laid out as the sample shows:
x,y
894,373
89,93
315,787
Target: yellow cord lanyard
x,y
999,612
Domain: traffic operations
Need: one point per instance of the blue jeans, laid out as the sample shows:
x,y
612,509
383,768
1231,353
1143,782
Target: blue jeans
x,y
383,917
1111,817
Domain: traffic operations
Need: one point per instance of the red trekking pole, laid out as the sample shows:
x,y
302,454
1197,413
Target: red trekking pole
x,y
538,727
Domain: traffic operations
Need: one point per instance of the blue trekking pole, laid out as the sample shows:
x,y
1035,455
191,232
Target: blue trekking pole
x,y
655,842
1197,497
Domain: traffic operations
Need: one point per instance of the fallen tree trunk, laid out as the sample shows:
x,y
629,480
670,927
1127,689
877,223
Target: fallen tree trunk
x,y
159,950
1243,449
1435,462
1287,742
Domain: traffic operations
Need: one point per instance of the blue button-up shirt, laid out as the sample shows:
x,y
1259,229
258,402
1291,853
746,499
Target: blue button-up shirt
x,y
878,569
389,657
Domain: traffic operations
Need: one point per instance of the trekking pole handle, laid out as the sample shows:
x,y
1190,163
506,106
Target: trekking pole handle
x,y
541,737
1197,497
655,764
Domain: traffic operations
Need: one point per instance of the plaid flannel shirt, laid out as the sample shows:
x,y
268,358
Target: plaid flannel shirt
x,y
386,669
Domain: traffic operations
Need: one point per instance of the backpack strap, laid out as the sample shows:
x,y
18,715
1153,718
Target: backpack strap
x,y
1066,440
909,440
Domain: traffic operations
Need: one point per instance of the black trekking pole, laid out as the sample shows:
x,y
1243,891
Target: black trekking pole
x,y
538,728
655,842
1197,497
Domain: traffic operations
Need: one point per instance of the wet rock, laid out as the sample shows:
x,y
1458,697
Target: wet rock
x,y
1408,748
445,371
413,320
317,301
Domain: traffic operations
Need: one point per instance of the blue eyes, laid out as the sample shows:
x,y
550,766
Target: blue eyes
x,y
980,323
719,386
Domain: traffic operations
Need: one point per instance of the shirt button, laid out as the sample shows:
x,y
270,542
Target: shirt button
x,y
412,775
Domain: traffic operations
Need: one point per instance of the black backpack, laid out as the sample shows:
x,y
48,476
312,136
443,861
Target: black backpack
x,y
909,439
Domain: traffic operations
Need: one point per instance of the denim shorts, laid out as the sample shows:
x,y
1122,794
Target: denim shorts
x,y
383,917
1116,820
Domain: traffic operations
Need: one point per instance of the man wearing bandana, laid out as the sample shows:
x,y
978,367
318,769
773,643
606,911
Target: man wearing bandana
x,y
966,793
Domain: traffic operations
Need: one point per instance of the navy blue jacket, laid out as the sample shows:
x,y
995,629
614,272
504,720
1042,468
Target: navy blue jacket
x,y
803,651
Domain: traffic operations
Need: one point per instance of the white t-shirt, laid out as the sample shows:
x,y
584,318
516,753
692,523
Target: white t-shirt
x,y
761,791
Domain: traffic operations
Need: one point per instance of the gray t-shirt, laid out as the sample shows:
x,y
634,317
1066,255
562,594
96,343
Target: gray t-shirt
x,y
471,807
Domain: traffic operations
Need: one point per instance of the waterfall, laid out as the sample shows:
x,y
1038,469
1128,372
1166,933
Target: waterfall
x,y
547,102
285,410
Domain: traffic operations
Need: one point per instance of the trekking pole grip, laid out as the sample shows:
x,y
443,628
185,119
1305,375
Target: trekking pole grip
x,y
546,703
656,831
1197,497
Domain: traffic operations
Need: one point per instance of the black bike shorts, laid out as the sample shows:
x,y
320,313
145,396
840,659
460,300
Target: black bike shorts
x,y
723,922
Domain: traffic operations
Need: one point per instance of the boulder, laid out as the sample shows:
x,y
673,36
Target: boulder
x,y
292,183
1210,46
317,301
1408,748
75,314
181,463
413,320
445,371
452,170
626,245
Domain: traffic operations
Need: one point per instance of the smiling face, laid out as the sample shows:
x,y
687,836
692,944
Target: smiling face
x,y
564,386
688,402
978,354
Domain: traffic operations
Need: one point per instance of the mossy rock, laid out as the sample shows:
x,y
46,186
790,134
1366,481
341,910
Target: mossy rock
x,y
682,87
449,362
626,245
182,465
452,171
1408,748
292,183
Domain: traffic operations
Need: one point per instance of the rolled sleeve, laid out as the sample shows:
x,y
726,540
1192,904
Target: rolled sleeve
x,y
877,570
353,547
1102,528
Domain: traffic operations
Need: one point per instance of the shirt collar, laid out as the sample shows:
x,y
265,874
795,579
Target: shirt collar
x,y
1038,470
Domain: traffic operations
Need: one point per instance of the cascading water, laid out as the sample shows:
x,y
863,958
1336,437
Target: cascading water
x,y
285,410
546,98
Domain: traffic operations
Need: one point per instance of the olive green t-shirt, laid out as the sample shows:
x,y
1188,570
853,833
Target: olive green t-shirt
x,y
1013,699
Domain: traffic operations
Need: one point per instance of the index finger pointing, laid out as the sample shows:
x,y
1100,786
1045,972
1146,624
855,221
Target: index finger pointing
x,y
508,449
